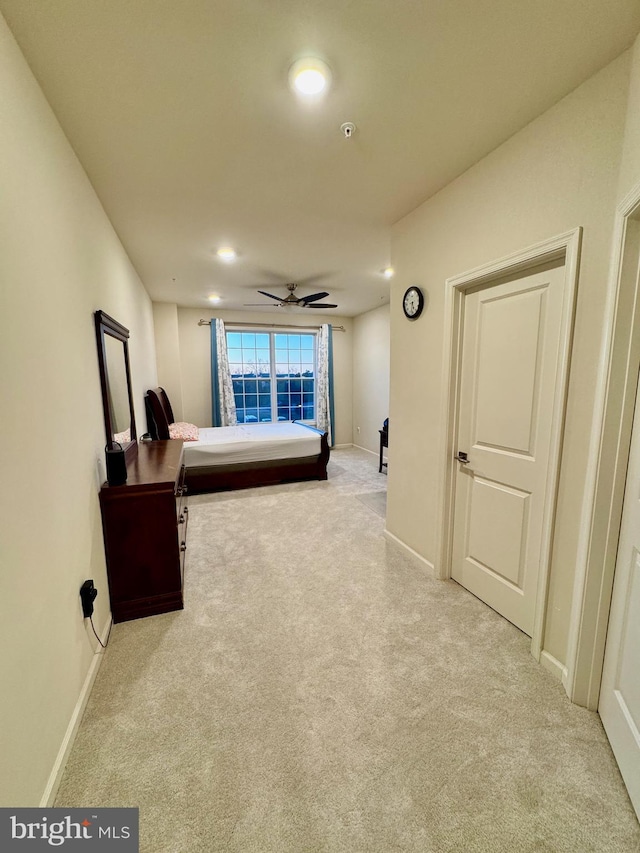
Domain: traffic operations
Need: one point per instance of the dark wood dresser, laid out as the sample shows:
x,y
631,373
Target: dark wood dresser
x,y
144,523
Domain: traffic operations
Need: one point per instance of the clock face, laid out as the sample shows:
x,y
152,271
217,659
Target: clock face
x,y
413,303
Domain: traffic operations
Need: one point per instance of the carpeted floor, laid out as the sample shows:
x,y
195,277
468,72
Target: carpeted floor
x,y
377,501
319,693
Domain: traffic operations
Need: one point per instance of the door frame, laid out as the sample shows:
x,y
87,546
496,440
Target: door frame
x,y
566,248
607,461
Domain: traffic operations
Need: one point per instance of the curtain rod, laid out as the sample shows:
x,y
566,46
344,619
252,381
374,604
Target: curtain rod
x,y
270,325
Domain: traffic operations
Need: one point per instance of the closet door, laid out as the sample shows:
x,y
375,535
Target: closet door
x,y
620,690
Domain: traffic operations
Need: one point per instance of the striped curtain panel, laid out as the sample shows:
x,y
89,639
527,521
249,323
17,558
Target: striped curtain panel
x,y
325,416
223,402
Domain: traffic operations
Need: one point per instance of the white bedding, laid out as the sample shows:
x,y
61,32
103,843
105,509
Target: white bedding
x,y
250,443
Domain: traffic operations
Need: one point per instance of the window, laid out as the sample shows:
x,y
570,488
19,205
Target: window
x,y
273,375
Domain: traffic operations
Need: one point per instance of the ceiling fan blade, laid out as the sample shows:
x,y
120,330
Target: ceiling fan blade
x,y
258,305
322,305
270,295
313,298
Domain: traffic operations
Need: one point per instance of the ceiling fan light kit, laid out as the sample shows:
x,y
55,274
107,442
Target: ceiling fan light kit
x,y
293,301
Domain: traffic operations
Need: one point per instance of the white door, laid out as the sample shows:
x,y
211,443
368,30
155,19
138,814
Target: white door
x,y
509,369
620,689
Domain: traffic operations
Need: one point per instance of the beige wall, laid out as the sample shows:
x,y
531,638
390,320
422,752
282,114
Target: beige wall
x,y
630,167
165,323
371,344
195,360
559,172
60,260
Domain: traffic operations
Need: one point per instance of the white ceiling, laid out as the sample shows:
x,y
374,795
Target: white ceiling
x,y
181,115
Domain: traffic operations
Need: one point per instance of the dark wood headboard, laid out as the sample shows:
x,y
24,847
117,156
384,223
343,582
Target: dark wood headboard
x,y
159,413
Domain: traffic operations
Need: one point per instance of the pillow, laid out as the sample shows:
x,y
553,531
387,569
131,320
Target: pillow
x,y
187,432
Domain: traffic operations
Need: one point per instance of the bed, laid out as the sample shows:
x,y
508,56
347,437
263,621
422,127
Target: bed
x,y
238,457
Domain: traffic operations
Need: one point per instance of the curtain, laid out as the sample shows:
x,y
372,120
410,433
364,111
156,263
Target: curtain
x,y
222,400
325,417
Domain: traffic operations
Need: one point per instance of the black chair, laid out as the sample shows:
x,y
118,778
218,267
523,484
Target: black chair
x,y
384,442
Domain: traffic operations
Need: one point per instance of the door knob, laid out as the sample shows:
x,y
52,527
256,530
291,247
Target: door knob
x,y
462,457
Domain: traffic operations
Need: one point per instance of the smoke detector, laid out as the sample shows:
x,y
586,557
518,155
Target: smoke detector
x,y
348,129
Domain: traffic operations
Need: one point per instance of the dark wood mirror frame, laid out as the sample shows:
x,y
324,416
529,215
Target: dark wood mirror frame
x,y
106,325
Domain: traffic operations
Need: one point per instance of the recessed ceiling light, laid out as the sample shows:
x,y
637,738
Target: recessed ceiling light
x,y
214,298
388,272
309,77
226,253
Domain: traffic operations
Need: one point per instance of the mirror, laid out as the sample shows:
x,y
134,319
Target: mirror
x,y
115,382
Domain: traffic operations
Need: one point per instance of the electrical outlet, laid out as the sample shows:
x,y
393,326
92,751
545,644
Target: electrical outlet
x,y
88,593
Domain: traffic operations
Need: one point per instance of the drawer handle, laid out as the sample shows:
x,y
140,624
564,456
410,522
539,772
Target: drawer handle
x,y
186,510
183,546
181,519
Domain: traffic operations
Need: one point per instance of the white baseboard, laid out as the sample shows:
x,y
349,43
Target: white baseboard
x,y
424,564
55,777
341,446
366,449
558,670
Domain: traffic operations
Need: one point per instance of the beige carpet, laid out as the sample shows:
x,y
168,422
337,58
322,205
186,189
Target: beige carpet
x,y
377,501
319,693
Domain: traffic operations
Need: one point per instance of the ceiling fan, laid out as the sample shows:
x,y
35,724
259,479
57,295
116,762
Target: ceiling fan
x,y
292,299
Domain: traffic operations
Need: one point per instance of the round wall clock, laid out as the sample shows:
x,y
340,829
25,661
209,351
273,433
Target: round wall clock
x,y
413,303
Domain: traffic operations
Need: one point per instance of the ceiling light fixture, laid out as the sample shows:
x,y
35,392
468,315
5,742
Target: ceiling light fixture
x,y
388,272
215,299
309,77
226,253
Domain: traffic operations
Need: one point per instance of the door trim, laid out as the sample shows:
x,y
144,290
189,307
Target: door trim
x,y
607,461
566,248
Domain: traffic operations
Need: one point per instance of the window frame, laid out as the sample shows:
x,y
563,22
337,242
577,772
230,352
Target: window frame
x,y
273,375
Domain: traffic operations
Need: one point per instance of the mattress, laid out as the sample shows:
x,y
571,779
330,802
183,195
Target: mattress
x,y
251,443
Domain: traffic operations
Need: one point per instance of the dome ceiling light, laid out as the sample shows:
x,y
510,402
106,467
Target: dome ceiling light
x,y
309,77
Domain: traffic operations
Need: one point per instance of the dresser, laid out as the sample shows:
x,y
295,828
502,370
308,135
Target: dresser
x,y
145,524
